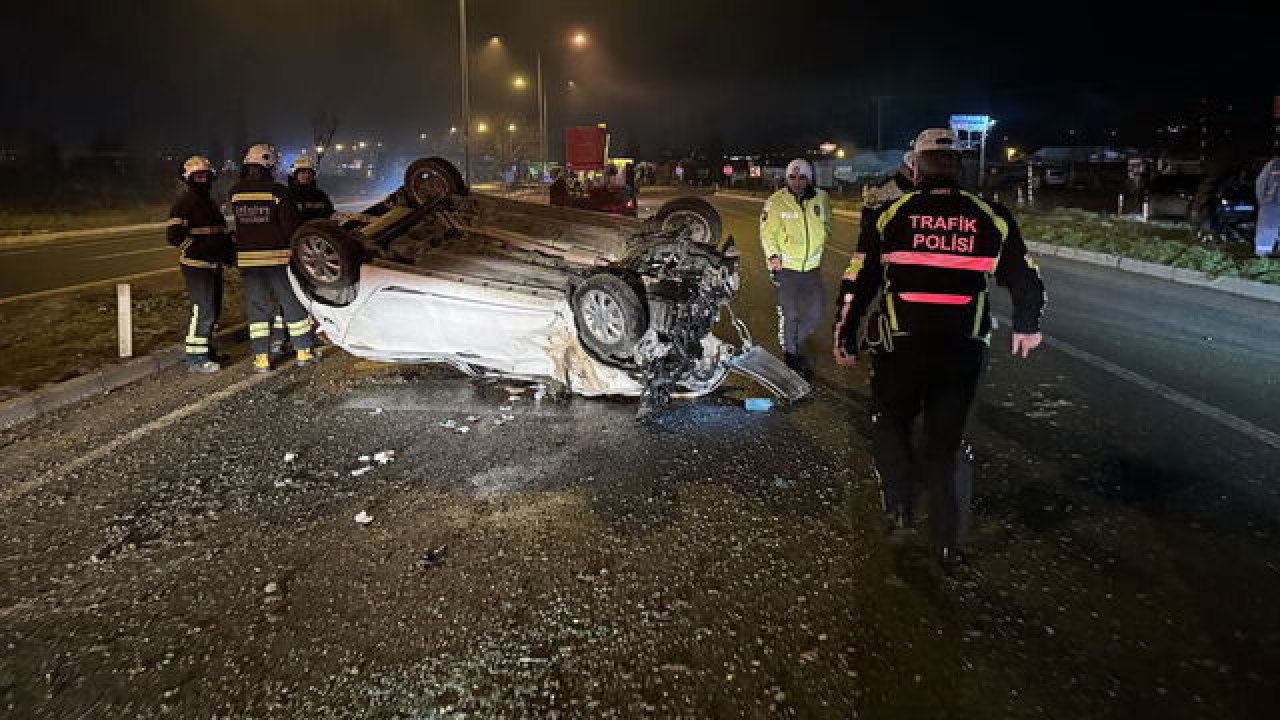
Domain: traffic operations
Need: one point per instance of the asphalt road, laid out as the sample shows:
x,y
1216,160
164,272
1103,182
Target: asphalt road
x,y
160,556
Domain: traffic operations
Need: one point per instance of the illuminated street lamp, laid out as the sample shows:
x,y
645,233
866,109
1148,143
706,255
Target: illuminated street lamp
x,y
511,127
840,153
422,136
319,149
579,39
453,130
482,127
518,82
363,144
339,147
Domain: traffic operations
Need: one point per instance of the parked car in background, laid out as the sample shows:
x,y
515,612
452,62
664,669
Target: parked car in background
x,y
1171,196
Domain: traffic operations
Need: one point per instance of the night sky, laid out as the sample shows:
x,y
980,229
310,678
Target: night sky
x,y
664,75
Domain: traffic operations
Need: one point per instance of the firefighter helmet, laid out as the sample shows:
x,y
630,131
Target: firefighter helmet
x,y
195,164
261,154
302,163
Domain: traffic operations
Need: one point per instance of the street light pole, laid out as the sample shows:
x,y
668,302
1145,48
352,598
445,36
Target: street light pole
x,y
542,119
466,91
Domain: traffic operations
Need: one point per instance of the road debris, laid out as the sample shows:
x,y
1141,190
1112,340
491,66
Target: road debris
x,y
363,518
361,470
290,457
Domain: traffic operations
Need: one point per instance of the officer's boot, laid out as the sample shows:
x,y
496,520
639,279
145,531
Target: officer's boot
x,y
262,363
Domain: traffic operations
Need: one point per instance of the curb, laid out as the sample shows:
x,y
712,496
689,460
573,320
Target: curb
x,y
45,238
54,397
846,214
1232,285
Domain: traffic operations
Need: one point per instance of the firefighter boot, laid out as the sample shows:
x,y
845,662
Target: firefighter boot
x,y
305,358
261,363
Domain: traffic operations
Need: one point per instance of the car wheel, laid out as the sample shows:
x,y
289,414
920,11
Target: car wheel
x,y
697,214
326,257
610,316
430,181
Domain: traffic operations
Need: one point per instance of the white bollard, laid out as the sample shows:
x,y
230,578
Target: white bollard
x,y
1120,205
124,319
1146,209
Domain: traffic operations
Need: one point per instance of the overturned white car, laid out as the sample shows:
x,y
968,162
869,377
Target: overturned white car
x,y
596,304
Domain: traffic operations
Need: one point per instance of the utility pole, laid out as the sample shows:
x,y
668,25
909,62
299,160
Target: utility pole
x,y
879,122
542,120
466,91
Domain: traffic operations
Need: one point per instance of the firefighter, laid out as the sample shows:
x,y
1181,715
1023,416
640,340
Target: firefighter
x,y
313,203
197,228
794,227
266,217
921,279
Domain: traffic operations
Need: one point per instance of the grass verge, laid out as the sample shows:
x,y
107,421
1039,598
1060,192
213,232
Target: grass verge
x,y
29,223
1162,244
59,337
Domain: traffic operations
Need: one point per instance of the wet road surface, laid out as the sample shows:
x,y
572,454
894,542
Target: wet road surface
x,y
570,562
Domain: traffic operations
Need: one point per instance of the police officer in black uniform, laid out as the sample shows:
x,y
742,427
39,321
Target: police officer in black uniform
x,y
197,228
923,287
266,217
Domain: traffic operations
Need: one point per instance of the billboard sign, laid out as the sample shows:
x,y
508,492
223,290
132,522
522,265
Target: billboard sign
x,y
971,123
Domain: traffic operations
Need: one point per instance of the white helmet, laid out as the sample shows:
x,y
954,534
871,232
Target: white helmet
x,y
302,163
800,166
261,154
195,164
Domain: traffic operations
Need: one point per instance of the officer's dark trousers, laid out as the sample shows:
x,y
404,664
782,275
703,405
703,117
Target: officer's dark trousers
x,y
934,379
265,288
204,287
800,307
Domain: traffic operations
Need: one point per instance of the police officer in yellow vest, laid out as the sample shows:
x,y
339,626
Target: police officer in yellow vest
x,y
794,227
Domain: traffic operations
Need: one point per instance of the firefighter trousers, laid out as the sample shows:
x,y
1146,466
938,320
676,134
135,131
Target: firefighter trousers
x,y
934,380
204,287
265,289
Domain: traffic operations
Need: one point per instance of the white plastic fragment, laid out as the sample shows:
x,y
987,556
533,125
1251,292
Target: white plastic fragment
x,y
505,408
363,518
463,430
513,398
361,470
472,418
450,424
363,458
290,457
376,411
385,456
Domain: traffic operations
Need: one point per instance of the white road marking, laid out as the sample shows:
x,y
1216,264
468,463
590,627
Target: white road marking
x,y
128,252
82,286
1219,415
137,433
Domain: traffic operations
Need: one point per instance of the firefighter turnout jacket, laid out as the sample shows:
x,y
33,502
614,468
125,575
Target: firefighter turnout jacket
x,y
796,229
922,266
197,228
312,202
266,217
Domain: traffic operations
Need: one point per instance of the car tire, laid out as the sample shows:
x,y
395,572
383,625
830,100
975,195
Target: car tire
x,y
430,181
326,259
693,212
610,317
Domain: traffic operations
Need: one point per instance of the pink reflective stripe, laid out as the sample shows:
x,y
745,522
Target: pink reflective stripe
x,y
936,298
951,262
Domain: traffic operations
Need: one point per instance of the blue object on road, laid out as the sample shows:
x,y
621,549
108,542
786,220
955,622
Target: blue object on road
x,y
758,404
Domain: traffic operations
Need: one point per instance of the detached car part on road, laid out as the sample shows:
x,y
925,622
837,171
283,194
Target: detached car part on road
x,y
595,304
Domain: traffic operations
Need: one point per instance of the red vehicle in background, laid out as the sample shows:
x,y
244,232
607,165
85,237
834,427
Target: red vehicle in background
x,y
594,183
